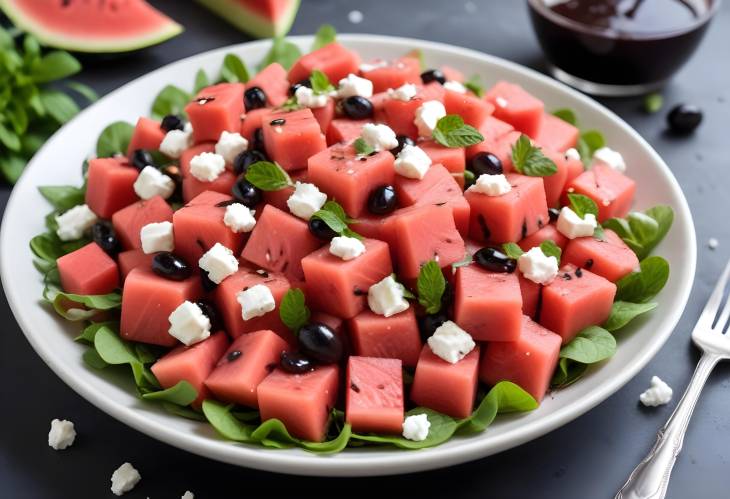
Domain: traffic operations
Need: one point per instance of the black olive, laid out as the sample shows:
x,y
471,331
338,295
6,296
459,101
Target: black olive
x,y
554,213
246,193
246,159
429,323
494,260
172,122
278,122
320,343
403,140
295,363
142,158
485,163
684,118
205,281
210,312
357,107
257,144
320,229
234,355
382,200
448,297
254,98
433,75
170,266
300,83
103,234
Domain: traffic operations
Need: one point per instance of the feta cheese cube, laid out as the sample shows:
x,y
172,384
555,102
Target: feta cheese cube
x,y
427,116
404,93
306,200
455,86
73,223
239,218
346,248
219,262
386,297
157,236
62,434
152,182
416,427
412,162
572,153
608,157
255,301
491,185
450,342
379,137
189,324
306,97
659,393
124,479
230,145
571,225
188,495
207,166
537,266
354,85
176,141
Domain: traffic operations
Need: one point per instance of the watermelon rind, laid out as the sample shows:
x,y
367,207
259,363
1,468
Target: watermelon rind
x,y
88,44
252,22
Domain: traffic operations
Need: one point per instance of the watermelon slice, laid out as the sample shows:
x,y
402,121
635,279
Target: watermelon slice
x,y
98,27
258,18
375,395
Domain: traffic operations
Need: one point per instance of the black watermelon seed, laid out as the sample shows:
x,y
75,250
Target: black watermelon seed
x,y
234,355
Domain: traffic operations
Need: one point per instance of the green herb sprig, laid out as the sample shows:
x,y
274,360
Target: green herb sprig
x,y
529,160
451,131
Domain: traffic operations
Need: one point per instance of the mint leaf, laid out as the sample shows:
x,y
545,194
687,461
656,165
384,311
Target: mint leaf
x,y
268,176
624,312
362,148
114,139
170,100
588,143
182,394
642,286
591,345
62,197
653,103
642,231
54,66
234,70
551,249
567,115
529,160
282,51
431,285
474,83
201,81
451,131
293,310
325,35
582,205
336,219
512,250
320,83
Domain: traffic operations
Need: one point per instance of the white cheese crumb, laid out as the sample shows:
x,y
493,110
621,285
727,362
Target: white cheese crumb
x,y
404,93
537,266
157,236
450,342
455,86
176,141
427,116
207,166
189,324
386,297
572,226
306,200
355,16
239,218
188,495
124,479
572,153
501,102
152,182
371,66
416,427
255,301
713,243
379,137
62,434
230,145
219,262
608,157
412,162
307,98
73,223
354,85
347,248
491,185
659,393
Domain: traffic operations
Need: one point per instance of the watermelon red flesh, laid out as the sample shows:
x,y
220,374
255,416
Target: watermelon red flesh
x,y
444,387
294,141
192,364
109,186
612,191
471,108
547,233
394,337
608,257
301,401
556,134
128,222
88,271
324,115
344,130
400,115
555,183
517,107
92,26
374,395
531,292
333,60
191,186
272,80
147,302
131,259
258,18
452,74
340,287
394,73
251,121
528,362
216,109
452,158
147,135
491,129
236,376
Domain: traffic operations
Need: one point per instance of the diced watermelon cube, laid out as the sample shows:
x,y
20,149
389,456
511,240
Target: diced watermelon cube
x,y
575,167
344,130
444,387
394,337
290,144
272,80
110,186
249,359
491,129
612,191
530,291
452,158
374,395
128,222
88,271
394,73
555,183
400,115
556,134
324,115
253,120
147,135
547,233
471,108
191,186
301,401
215,109
517,107
131,259
528,362
333,60
452,74
608,257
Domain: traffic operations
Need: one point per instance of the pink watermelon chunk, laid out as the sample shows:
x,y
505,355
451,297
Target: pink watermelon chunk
x,y
393,74
191,186
291,143
575,167
394,337
528,362
491,129
487,305
399,115
452,158
470,107
452,74
324,115
517,107
530,291
374,395
608,257
147,135
88,271
340,287
344,130
272,80
556,134
147,302
253,120
130,220
574,300
215,109
110,186
547,233
612,191
131,259
192,364
237,375
444,387
333,59
301,401
555,183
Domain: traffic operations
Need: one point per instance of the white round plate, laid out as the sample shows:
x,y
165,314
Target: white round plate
x,y
59,162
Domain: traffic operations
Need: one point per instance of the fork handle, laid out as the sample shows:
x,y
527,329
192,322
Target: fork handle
x,y
650,478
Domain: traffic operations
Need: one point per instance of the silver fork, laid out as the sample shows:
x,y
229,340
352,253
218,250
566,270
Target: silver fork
x,y
650,478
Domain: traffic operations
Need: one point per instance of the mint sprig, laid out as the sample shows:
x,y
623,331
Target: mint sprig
x,y
293,310
234,69
268,176
320,82
549,248
431,285
474,83
451,131
362,148
336,219
529,160
325,35
582,205
512,250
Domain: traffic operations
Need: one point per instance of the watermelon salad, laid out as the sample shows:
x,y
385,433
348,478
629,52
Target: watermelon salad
x,y
342,253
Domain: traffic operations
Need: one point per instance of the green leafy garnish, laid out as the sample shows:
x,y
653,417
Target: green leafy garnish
x,y
320,83
593,344
362,148
115,351
268,176
624,312
549,248
643,230
653,103
293,310
469,179
336,219
114,139
170,100
282,51
512,250
63,197
451,131
234,69
582,205
474,83
181,394
325,35
201,81
431,285
529,160
567,115
589,142
642,286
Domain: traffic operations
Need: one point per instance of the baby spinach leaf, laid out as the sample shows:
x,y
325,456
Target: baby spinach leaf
x,y
220,417
112,349
642,286
234,70
624,312
431,285
282,51
89,332
92,358
529,160
504,397
442,429
567,373
451,131
64,304
268,176
331,446
293,310
182,394
63,197
170,100
114,139
325,35
201,81
183,412
567,115
591,345
643,231
273,433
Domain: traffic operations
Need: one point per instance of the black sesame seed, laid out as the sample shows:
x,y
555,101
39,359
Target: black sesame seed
x,y
589,264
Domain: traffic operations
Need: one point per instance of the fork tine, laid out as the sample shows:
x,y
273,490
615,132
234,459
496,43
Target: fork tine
x,y
713,304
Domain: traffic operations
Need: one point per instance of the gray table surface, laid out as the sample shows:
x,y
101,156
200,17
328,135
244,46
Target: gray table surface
x,y
586,459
